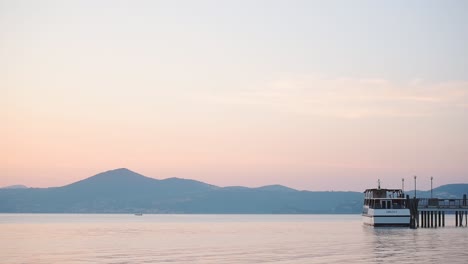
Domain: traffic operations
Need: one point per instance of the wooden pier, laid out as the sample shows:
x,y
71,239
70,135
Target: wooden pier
x,y
431,212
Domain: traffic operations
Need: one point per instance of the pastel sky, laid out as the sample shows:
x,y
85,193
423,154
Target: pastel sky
x,y
315,95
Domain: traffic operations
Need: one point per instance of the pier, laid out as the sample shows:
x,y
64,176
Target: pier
x,y
431,212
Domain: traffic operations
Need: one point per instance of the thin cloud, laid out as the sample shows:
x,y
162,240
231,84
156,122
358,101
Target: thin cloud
x,y
351,98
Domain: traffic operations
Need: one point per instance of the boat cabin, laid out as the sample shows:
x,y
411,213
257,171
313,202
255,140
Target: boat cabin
x,y
384,199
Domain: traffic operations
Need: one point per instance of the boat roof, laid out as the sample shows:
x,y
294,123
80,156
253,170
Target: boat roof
x,y
381,190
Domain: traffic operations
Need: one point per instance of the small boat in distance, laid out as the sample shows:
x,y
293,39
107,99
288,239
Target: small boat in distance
x,y
385,207
139,214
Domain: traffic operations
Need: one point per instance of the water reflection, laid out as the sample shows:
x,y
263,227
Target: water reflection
x,y
221,239
403,245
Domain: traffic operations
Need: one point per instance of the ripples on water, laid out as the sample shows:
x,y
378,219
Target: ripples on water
x,y
27,238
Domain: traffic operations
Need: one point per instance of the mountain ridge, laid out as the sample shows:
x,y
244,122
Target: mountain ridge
x,y
124,191
15,186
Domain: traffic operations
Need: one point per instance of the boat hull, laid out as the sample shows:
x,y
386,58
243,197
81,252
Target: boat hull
x,y
387,217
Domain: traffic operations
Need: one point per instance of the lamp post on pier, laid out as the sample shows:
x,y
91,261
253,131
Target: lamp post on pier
x,y
431,185
414,186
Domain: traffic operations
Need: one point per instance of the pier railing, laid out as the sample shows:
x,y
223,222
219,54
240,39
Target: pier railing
x,y
430,212
442,203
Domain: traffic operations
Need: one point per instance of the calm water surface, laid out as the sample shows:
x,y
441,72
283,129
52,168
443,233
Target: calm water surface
x,y
74,238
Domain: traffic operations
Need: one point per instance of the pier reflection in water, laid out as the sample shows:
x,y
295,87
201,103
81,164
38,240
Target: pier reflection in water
x,y
403,245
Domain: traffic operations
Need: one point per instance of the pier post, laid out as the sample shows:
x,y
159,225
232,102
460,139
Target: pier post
x,y
443,218
426,220
456,218
438,213
417,218
423,219
432,219
460,214
464,216
435,219
412,205
423,222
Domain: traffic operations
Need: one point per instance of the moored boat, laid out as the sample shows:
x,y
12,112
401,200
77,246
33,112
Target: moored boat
x,y
385,207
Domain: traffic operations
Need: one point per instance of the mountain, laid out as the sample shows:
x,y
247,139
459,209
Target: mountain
x,y
276,188
126,183
125,191
17,186
455,191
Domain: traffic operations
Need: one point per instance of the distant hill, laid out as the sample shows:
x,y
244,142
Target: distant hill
x,y
124,191
276,188
445,191
17,186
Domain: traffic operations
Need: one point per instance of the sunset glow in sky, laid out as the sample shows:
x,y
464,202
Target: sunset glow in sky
x,y
315,95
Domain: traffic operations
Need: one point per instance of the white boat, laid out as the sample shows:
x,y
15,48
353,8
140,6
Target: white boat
x,y
385,207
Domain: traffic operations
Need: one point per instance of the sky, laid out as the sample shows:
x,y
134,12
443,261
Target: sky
x,y
314,95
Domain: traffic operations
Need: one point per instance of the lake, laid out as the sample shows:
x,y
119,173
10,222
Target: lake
x,y
119,238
